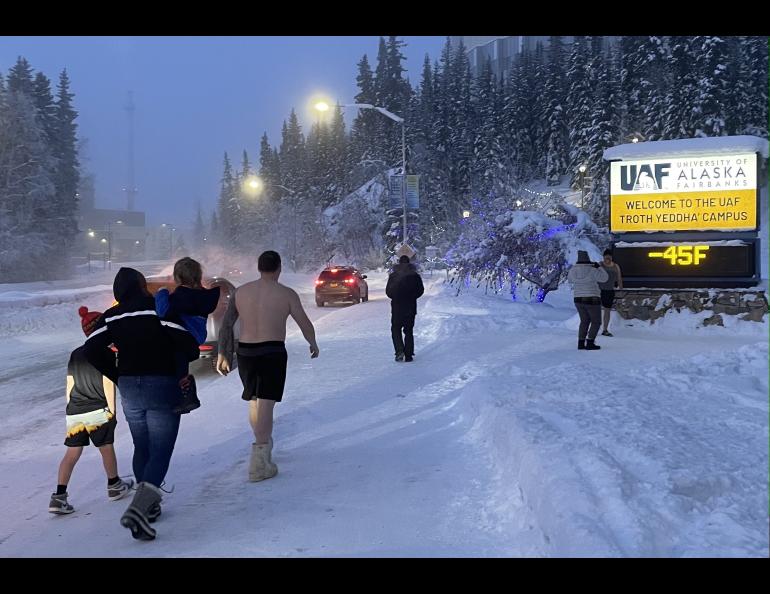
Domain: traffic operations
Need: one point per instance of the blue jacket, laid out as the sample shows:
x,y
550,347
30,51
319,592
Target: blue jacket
x,y
191,305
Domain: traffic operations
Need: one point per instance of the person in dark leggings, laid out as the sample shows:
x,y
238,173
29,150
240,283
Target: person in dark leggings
x,y
585,277
147,379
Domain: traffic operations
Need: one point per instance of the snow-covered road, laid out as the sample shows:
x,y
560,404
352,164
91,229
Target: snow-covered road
x,y
500,439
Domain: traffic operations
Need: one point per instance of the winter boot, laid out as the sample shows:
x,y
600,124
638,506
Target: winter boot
x,y
590,346
59,505
189,396
408,358
581,344
153,513
261,466
399,356
136,516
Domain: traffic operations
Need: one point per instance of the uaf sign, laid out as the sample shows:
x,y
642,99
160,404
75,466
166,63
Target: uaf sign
x,y
705,193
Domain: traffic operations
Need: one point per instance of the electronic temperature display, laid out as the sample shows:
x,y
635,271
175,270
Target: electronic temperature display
x,y
686,260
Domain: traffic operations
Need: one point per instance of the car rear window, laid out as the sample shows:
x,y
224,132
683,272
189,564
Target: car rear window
x,y
340,274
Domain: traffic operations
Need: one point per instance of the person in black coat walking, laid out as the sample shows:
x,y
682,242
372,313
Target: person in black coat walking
x,y
404,288
146,374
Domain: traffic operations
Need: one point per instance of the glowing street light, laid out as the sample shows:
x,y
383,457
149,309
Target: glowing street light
x,y
91,234
104,240
466,214
582,170
322,106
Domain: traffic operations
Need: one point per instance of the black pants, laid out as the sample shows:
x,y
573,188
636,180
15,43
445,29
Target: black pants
x,y
399,321
590,312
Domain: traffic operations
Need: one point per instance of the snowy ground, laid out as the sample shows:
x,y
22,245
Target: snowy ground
x,y
501,439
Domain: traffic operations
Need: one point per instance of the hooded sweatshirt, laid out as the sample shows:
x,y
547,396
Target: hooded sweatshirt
x,y
146,344
585,279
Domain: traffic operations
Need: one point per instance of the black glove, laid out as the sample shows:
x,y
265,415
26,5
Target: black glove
x,y
595,264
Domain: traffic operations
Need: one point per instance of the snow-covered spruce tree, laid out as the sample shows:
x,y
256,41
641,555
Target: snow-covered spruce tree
x,y
603,133
754,53
27,192
66,176
712,72
518,117
526,250
46,107
540,114
579,104
681,87
556,162
366,159
227,207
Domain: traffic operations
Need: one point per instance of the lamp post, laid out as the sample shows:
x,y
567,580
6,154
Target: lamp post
x,y
323,106
582,171
109,241
170,239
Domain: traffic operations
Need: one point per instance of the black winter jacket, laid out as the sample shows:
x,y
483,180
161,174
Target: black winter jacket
x,y
146,343
404,288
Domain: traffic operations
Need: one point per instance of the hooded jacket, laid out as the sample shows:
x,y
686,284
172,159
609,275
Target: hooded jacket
x,y
404,288
585,279
191,305
146,343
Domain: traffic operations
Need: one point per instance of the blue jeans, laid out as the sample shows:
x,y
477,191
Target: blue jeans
x,y
148,401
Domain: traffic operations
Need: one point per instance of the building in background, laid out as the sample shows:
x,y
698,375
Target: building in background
x,y
502,51
119,235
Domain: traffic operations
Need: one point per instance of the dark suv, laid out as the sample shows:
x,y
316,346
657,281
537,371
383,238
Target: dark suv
x,y
340,283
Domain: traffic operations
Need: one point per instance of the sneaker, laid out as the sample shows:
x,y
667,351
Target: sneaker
x,y
59,504
409,358
399,356
120,489
189,396
606,333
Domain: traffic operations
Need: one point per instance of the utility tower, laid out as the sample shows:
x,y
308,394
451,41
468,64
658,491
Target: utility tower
x,y
131,188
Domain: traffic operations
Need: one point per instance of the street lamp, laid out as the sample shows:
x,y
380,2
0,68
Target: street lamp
x,y
582,171
397,119
170,239
466,214
109,241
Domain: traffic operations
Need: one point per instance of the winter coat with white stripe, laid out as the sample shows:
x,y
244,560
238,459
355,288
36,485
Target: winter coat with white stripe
x,y
585,279
146,343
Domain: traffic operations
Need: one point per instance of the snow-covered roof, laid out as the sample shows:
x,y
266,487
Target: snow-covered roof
x,y
689,147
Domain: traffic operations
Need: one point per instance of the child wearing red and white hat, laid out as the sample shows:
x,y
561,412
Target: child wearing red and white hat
x,y
90,419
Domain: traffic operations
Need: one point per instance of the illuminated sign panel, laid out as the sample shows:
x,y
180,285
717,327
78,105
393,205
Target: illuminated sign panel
x,y
729,259
717,193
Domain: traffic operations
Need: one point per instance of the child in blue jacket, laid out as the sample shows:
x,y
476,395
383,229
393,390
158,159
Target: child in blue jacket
x,y
192,303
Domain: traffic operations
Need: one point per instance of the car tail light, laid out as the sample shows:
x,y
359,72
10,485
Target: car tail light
x,y
350,280
206,347
319,282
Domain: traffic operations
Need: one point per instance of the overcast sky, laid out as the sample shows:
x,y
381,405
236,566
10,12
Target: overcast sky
x,y
195,98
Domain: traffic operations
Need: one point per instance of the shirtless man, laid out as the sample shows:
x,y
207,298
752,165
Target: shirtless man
x,y
263,306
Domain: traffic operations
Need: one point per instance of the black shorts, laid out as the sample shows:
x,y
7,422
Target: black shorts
x,y
608,298
101,436
262,367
